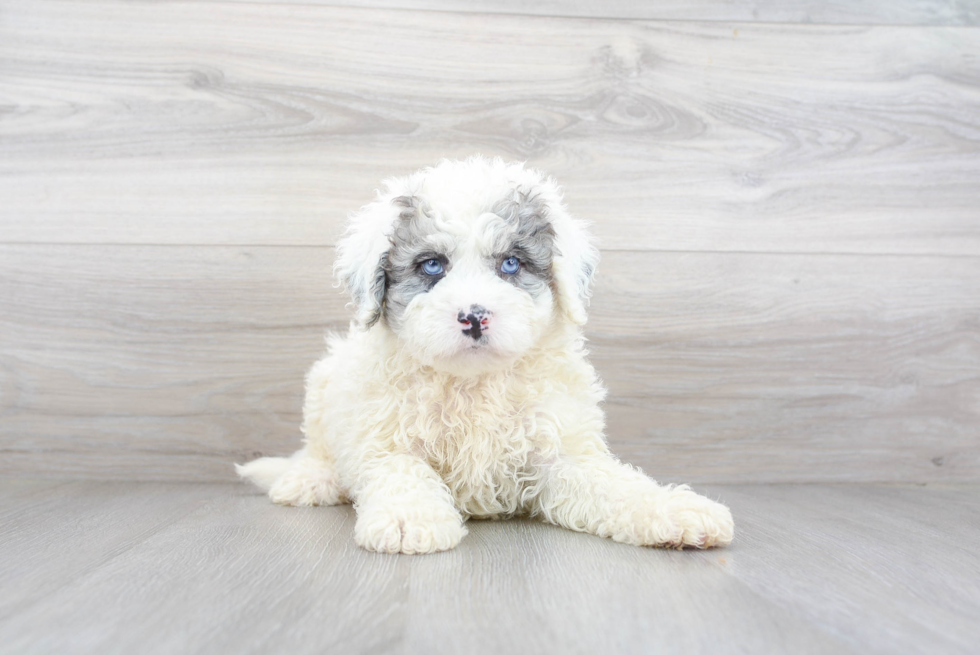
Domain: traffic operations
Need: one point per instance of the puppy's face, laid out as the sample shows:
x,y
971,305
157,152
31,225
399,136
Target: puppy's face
x,y
469,290
467,267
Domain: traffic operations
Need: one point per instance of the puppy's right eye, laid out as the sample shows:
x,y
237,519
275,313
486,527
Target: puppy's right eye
x,y
432,267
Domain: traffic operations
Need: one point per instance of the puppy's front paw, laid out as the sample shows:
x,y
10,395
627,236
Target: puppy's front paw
x,y
702,522
411,530
678,518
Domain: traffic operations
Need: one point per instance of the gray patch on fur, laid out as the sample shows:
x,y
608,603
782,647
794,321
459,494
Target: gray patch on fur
x,y
403,275
411,206
532,242
378,289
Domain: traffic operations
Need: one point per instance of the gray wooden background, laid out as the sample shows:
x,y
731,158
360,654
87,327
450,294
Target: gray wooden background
x,y
787,196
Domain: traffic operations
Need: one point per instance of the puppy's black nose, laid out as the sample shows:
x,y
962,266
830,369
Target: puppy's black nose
x,y
474,321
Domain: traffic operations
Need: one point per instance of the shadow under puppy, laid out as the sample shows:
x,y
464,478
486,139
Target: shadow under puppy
x,y
462,388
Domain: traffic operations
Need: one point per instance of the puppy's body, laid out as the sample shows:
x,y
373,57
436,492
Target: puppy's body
x,y
463,389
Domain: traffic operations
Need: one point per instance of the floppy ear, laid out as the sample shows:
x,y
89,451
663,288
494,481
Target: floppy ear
x,y
574,268
361,257
576,258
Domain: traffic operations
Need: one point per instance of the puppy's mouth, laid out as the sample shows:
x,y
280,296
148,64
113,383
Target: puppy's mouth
x,y
479,343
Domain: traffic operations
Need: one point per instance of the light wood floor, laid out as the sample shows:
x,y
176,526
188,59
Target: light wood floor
x,y
97,567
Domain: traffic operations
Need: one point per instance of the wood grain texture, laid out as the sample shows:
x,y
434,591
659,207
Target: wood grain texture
x,y
157,362
813,569
172,362
874,12
52,534
789,215
837,548
230,123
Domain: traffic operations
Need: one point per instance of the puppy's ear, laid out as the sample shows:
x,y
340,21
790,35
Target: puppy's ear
x,y
575,260
362,256
575,256
574,268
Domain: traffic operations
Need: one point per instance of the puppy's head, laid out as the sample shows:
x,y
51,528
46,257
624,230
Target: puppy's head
x,y
469,263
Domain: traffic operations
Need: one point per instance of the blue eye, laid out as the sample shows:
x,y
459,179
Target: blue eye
x,y
432,267
510,265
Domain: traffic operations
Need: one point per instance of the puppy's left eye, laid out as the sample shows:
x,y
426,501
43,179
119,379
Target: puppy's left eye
x,y
432,267
510,265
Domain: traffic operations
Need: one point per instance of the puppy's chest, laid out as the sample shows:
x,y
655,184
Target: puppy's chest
x,y
486,446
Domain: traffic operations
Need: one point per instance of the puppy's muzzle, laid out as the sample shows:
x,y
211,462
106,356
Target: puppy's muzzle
x,y
475,320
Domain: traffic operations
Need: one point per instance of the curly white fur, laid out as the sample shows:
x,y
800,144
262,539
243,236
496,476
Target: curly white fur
x,y
423,424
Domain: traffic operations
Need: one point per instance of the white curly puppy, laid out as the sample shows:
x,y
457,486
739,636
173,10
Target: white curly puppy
x,y
462,388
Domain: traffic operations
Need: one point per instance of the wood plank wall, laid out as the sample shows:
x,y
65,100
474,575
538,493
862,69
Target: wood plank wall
x,y
787,195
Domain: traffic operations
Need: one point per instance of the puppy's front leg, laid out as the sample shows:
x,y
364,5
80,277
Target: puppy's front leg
x,y
404,507
600,495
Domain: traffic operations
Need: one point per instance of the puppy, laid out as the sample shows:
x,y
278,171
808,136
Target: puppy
x,y
462,388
